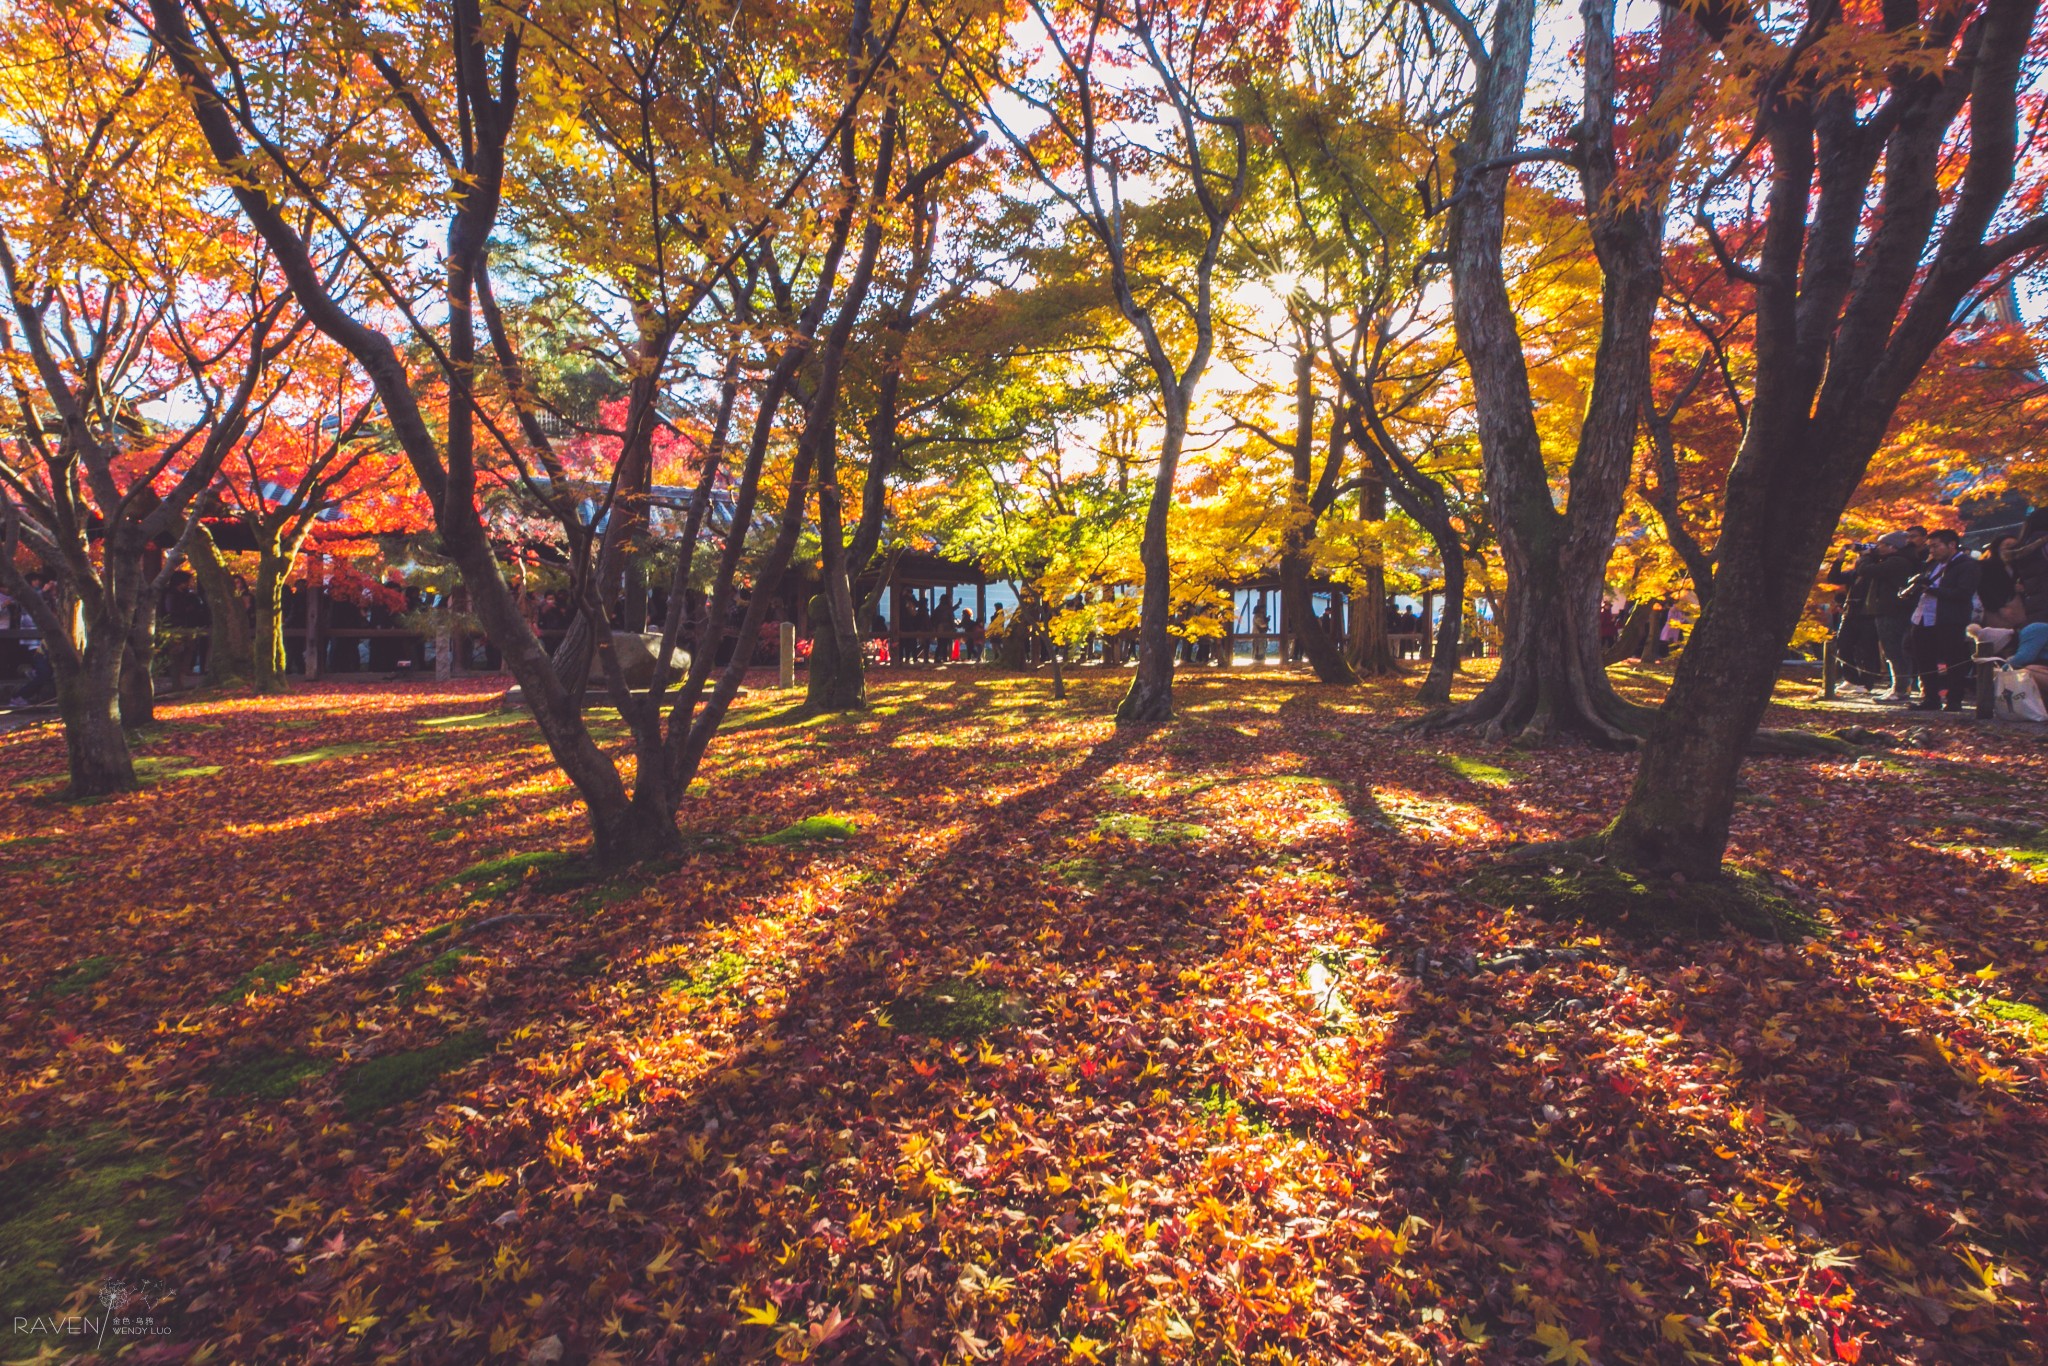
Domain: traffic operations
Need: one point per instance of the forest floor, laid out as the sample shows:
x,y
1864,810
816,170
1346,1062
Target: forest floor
x,y
972,1028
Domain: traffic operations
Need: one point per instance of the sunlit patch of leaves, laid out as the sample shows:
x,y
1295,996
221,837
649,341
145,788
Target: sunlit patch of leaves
x,y
711,978
1476,771
157,768
326,753
489,720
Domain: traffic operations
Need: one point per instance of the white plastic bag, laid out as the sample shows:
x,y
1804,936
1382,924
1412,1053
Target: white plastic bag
x,y
2018,696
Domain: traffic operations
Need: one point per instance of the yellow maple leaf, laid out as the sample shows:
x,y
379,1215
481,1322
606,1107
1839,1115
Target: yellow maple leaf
x,y
1563,1346
660,1265
766,1315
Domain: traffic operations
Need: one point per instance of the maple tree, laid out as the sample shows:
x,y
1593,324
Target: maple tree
x,y
1907,116
1101,69
452,85
137,348
311,466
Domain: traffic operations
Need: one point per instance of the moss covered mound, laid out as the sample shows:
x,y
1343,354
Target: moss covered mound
x,y
75,1211
266,1075
812,830
1576,888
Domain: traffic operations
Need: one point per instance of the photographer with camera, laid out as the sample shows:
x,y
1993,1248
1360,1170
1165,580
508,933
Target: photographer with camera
x,y
1943,598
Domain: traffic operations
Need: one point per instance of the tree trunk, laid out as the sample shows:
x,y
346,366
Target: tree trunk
x,y
837,677
1325,655
267,649
137,687
642,831
1150,700
95,744
1443,662
1552,683
838,681
229,647
1780,516
1372,650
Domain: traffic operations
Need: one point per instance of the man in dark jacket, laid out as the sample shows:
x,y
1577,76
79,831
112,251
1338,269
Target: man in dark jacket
x,y
1892,566
1856,644
1943,597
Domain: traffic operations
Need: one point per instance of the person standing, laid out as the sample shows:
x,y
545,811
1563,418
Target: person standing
x,y
1891,611
1944,597
1856,647
1998,588
1260,621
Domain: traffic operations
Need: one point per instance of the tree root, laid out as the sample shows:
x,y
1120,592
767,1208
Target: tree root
x,y
491,922
1569,879
1806,744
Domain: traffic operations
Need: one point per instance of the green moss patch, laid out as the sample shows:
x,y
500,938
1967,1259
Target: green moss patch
x,y
486,720
399,1077
82,974
1576,888
551,870
474,806
2029,1017
1473,771
53,1195
956,1009
258,981
157,768
445,965
326,753
1146,830
712,977
812,830
266,1075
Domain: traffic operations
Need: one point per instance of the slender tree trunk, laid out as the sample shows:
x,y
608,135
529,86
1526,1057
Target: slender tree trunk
x,y
229,648
1297,605
1150,700
837,680
137,687
1443,661
1372,647
267,648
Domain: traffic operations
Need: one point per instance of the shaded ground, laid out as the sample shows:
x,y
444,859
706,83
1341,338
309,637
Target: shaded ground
x,y
972,1028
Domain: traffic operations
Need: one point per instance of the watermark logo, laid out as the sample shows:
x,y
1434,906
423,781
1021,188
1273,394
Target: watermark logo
x,y
127,1310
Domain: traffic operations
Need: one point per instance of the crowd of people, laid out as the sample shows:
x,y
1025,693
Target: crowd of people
x,y
1913,614
1914,605
21,654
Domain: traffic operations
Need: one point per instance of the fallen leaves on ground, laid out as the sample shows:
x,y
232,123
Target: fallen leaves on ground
x,y
1037,1041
